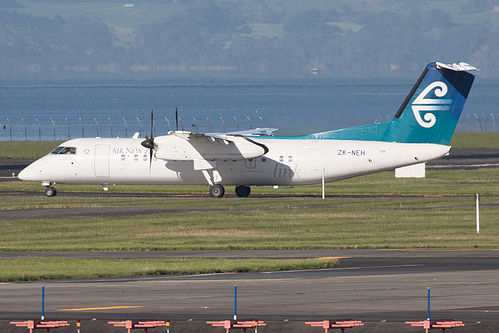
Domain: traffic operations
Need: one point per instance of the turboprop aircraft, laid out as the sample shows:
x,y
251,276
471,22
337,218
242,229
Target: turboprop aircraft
x,y
420,131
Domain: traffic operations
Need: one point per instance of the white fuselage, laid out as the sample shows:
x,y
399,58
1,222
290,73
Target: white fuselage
x,y
287,162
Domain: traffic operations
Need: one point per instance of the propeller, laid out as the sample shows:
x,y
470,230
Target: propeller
x,y
149,142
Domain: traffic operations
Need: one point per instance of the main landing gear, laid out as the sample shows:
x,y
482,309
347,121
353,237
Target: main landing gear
x,y
243,191
50,191
218,191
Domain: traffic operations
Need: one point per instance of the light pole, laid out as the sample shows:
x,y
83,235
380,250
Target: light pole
x,y
97,126
82,128
111,126
140,126
126,127
237,124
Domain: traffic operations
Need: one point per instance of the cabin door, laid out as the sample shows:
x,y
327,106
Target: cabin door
x,y
101,160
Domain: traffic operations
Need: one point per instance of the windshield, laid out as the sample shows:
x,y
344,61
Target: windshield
x,y
64,150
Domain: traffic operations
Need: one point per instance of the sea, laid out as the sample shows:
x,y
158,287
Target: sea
x,y
65,109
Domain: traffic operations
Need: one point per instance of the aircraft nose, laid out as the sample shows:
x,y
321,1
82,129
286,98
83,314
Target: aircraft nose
x,y
30,173
40,170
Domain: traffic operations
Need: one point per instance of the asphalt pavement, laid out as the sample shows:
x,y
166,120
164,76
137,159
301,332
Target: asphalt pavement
x,y
373,285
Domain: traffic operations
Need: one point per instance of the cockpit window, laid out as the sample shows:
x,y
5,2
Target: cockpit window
x,y
57,150
64,150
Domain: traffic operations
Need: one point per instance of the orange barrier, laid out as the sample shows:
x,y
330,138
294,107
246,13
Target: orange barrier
x,y
239,324
339,324
40,324
436,324
140,324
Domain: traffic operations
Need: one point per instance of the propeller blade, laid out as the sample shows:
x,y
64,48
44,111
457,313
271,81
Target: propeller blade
x,y
152,124
149,143
176,119
150,158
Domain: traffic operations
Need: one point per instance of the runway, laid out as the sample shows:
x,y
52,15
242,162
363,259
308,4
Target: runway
x,y
368,285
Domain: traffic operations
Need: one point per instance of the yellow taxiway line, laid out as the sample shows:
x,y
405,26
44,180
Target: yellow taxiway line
x,y
103,308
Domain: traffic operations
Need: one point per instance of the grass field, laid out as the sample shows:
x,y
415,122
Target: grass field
x,y
63,268
270,223
256,223
374,211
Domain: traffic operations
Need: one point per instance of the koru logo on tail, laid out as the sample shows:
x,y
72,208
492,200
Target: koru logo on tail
x,y
429,105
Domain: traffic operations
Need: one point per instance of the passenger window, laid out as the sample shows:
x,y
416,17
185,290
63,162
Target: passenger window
x,y
281,158
290,158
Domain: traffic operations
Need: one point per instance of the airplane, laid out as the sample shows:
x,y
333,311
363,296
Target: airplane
x,y
420,131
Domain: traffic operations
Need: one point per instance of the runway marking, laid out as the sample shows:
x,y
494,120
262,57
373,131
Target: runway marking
x,y
440,250
460,166
330,258
103,308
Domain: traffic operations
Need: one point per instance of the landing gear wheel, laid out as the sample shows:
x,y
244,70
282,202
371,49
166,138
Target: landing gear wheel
x,y
217,191
243,191
50,191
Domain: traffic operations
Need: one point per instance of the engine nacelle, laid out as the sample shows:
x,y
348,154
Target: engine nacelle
x,y
187,146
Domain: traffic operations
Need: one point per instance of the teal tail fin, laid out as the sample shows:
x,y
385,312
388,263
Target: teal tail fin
x,y
429,114
431,111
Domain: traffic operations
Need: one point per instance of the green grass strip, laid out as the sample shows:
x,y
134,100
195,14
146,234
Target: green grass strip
x,y
33,269
268,223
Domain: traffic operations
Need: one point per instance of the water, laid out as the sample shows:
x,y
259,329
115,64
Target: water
x,y
87,108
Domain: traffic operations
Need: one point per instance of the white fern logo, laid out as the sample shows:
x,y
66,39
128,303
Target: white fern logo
x,y
429,105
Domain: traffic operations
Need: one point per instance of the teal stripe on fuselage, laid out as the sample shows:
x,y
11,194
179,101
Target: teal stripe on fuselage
x,y
372,132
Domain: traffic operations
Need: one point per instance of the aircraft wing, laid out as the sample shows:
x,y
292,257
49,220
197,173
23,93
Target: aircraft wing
x,y
191,146
266,131
193,136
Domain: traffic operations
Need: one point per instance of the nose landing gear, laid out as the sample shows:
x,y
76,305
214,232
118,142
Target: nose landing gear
x,y
50,191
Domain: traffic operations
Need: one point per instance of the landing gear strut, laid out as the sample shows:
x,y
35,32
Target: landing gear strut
x,y
50,191
243,191
217,191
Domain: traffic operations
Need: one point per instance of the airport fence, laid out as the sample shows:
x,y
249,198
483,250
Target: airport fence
x,y
19,129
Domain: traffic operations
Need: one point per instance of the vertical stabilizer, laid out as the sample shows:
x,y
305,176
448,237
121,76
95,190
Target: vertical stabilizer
x,y
431,111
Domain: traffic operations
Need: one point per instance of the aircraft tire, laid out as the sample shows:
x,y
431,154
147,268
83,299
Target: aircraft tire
x,y
243,191
217,191
50,191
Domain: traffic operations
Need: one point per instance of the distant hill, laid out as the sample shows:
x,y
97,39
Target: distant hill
x,y
246,38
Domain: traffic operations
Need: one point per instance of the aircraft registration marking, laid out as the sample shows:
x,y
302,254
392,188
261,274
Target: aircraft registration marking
x,y
353,152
